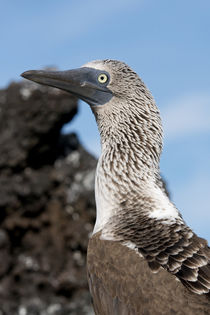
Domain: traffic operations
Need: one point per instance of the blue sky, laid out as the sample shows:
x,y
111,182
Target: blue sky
x,y
166,42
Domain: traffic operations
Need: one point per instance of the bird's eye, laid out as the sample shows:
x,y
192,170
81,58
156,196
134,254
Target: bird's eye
x,y
102,78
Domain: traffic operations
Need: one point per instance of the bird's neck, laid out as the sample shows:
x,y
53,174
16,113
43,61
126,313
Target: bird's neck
x,y
131,138
131,148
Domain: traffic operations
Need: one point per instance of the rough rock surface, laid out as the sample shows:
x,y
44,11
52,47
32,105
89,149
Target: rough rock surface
x,y
47,207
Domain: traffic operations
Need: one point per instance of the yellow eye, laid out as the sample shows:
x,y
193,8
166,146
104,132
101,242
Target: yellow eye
x,y
102,78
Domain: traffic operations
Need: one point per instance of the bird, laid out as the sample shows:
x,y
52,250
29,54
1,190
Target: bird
x,y
142,257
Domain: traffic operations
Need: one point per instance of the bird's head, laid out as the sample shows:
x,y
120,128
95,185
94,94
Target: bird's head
x,y
116,95
97,82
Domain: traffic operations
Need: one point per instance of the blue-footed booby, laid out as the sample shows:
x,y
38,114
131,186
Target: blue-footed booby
x,y
142,257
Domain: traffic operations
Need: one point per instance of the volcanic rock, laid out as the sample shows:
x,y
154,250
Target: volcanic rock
x,y
47,207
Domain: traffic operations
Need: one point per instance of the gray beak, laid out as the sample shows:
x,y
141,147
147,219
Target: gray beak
x,y
81,82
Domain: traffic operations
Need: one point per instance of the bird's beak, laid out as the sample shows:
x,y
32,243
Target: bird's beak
x,y
77,82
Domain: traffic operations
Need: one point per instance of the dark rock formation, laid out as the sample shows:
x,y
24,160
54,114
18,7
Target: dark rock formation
x,y
47,207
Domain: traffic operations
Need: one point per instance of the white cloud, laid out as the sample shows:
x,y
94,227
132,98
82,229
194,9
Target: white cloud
x,y
187,116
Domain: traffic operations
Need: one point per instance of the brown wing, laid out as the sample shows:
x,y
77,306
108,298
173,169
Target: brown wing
x,y
171,246
121,283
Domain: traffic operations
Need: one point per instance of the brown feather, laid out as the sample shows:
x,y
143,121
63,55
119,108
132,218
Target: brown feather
x,y
122,283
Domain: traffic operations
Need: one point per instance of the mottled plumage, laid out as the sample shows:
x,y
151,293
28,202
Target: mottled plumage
x,y
140,244
122,283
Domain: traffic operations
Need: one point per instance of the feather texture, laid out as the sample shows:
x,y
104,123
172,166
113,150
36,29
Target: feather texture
x,y
121,282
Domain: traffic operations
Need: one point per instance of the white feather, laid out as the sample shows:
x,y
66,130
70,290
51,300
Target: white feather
x,y
163,207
